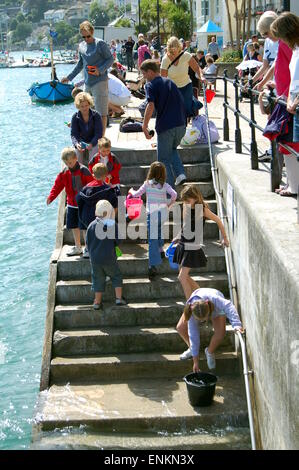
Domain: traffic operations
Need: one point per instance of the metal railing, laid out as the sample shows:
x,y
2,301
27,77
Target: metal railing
x,y
231,277
275,166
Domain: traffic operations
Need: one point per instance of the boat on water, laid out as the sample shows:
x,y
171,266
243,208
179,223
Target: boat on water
x,y
52,92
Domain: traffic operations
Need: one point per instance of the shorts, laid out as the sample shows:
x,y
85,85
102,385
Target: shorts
x,y
119,100
72,218
99,273
218,314
100,93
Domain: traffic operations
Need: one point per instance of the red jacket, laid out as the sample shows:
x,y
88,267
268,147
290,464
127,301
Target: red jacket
x,y
72,181
113,166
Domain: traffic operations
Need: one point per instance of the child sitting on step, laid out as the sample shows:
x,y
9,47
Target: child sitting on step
x,y
189,253
72,179
113,165
157,205
101,240
204,305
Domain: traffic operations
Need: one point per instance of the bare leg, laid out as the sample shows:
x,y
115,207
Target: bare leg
x,y
182,329
115,108
185,281
98,297
193,284
219,333
104,122
77,238
118,292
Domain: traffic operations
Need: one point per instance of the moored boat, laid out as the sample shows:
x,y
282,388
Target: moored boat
x,y
51,92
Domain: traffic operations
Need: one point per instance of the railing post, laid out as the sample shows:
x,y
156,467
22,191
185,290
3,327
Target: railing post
x,y
276,167
253,147
225,104
238,137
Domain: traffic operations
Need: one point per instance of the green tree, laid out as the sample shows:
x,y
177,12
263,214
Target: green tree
x,y
65,33
179,20
124,23
98,16
20,18
22,31
13,24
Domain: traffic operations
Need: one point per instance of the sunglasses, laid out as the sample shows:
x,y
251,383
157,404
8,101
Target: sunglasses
x,y
86,37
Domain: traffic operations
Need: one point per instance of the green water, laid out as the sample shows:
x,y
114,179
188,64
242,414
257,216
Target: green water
x,y
31,139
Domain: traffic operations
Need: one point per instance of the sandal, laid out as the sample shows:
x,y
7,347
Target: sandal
x,y
281,188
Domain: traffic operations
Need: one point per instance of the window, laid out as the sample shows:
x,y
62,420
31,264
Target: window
x,y
217,7
205,11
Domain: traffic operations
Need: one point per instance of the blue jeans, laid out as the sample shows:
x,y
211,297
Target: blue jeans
x,y
155,240
167,143
296,127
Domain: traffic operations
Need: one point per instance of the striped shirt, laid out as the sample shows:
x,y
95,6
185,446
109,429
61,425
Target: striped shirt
x,y
156,195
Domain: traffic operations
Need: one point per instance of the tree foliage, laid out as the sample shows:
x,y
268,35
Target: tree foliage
x,y
22,31
65,33
175,18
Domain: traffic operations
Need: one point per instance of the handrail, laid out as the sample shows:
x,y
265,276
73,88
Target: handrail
x,y
231,274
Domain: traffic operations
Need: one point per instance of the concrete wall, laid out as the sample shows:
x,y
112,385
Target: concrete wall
x,y
265,246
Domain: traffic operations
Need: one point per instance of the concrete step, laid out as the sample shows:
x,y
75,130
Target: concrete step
x,y
206,187
134,262
135,174
136,232
139,405
79,292
194,154
159,312
129,366
125,340
227,438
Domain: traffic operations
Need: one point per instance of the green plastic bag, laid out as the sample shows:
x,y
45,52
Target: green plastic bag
x,y
118,252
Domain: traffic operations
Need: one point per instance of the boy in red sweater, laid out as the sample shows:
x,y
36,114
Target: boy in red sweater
x,y
73,178
113,165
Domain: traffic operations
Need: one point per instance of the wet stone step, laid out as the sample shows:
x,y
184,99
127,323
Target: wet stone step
x,y
124,340
79,292
134,261
228,438
140,405
136,365
135,175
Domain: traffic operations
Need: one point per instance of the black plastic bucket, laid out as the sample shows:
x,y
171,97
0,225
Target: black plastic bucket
x,y
201,388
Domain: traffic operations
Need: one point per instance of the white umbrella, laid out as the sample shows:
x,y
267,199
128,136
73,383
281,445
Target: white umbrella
x,y
249,64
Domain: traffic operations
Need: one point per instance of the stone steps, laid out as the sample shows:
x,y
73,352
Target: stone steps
x,y
124,340
194,154
83,369
138,230
202,439
79,292
140,405
206,188
161,312
193,171
134,262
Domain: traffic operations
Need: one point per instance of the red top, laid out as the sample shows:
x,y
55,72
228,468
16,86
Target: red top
x,y
113,166
282,71
72,181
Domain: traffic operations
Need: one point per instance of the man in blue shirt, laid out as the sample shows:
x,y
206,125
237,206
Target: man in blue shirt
x,y
95,58
163,95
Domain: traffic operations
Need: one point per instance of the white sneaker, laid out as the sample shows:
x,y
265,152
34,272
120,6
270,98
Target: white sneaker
x,y
210,359
180,179
85,253
186,355
75,250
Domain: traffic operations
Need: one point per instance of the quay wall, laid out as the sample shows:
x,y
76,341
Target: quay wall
x,y
265,243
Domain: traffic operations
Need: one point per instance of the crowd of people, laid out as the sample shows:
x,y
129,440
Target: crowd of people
x,y
91,176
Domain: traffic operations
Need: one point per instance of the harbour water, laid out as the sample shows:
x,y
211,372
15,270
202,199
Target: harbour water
x,y
31,139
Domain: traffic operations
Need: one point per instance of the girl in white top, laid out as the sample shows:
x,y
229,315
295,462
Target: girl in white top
x,y
157,205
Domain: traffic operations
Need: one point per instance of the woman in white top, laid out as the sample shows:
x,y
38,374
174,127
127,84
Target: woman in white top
x,y
178,71
118,94
286,28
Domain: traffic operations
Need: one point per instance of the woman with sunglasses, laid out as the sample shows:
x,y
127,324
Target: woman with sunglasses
x,y
95,59
209,304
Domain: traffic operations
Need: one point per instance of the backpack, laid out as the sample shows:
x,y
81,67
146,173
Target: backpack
x,y
130,124
147,55
142,108
200,122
